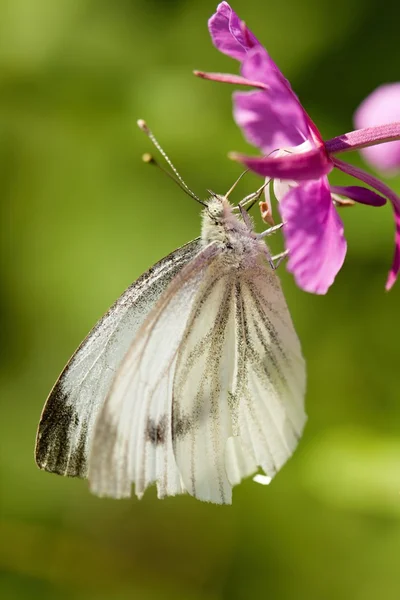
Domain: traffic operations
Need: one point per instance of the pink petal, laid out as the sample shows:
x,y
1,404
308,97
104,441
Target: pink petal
x,y
229,34
359,194
274,118
270,120
307,165
379,108
395,268
314,235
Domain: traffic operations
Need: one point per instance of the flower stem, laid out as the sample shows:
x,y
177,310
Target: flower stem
x,y
362,138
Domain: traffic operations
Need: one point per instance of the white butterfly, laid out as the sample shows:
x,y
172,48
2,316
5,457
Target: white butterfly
x,y
193,379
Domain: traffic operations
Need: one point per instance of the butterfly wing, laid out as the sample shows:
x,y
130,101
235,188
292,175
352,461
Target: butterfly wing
x,y
212,388
202,389
133,434
239,384
66,425
270,379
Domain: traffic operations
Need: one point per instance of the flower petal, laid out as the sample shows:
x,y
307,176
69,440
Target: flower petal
x,y
269,121
359,194
395,268
379,108
308,165
229,34
314,235
274,118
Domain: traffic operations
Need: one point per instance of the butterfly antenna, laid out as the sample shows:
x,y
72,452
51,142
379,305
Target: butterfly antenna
x,y
151,160
236,182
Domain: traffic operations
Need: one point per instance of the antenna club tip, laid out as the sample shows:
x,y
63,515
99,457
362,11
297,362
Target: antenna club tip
x,y
234,156
148,158
141,123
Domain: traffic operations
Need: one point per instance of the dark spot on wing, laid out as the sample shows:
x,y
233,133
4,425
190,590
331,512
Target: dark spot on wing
x,y
155,433
57,430
181,424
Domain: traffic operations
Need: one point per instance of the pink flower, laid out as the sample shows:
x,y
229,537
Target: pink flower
x,y
379,108
296,157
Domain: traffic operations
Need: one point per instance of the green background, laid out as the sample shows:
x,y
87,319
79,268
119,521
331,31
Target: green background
x,y
82,217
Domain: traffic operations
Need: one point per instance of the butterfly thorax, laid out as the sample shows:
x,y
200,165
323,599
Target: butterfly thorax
x,y
221,225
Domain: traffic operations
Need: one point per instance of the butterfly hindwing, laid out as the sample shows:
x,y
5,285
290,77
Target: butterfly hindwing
x,y
239,383
271,377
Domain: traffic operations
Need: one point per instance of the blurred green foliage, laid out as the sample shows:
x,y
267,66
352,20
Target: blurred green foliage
x,y
82,217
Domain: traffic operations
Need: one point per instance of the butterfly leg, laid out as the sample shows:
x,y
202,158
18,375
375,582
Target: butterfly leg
x,y
246,204
245,217
269,231
249,201
275,261
278,258
269,258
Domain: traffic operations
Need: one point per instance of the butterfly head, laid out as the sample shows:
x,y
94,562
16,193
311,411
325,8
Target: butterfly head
x,y
220,224
216,208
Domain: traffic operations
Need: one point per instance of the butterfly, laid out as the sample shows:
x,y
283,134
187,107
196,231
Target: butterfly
x,y
192,380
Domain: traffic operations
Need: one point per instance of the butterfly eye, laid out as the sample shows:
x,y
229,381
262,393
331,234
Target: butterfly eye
x,y
215,208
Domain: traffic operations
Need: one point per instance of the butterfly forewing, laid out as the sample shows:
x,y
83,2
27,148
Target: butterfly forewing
x,y
66,425
133,436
